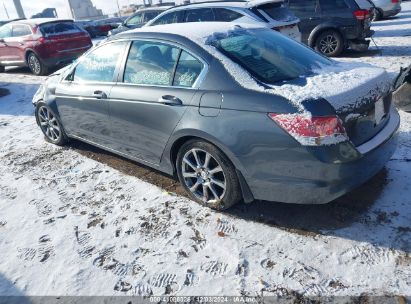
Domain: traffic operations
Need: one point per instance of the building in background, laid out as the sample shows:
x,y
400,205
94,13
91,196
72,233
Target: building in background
x,y
84,9
19,9
46,13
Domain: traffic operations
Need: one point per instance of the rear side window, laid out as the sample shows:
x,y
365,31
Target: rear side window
x,y
150,63
226,15
59,28
277,11
303,8
199,15
172,17
20,30
332,5
100,64
187,71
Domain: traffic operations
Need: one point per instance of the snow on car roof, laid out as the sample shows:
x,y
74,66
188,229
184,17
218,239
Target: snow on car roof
x,y
344,85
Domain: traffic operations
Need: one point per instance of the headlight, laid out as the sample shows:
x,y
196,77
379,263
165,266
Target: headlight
x,y
39,94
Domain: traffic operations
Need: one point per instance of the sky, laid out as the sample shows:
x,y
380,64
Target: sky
x,y
31,7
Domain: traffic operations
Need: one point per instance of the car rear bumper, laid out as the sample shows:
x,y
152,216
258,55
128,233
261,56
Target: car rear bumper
x,y
321,182
392,12
64,56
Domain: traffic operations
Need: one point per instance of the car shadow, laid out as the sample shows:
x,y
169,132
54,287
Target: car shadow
x,y
392,33
395,21
335,218
14,97
10,294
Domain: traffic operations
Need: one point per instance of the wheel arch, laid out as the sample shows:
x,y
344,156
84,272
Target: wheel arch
x,y
168,161
322,28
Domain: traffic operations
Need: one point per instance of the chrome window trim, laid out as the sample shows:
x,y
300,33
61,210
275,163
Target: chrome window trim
x,y
195,85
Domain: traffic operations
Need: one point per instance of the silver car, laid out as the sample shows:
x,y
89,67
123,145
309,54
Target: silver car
x,y
386,8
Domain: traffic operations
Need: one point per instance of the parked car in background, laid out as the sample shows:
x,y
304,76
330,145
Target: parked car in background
x,y
386,8
330,26
272,13
139,18
284,124
90,27
104,26
41,44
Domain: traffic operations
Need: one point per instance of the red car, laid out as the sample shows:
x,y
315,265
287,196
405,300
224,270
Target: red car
x,y
41,44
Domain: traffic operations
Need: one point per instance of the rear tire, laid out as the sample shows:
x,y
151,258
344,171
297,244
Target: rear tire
x,y
50,125
330,43
377,14
208,175
2,69
36,66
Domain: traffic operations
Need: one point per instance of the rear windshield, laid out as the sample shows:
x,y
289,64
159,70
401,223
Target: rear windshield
x,y
277,12
57,28
267,55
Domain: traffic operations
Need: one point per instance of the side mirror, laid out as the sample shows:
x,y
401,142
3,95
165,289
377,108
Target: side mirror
x,y
1,40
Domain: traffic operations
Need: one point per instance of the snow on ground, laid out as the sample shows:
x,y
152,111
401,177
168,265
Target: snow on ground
x,y
70,225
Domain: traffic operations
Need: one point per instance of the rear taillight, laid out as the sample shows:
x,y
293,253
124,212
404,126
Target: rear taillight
x,y
395,1
312,130
42,40
362,14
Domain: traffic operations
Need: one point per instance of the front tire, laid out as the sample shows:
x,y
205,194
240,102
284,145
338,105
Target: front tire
x,y
208,175
36,66
330,43
50,125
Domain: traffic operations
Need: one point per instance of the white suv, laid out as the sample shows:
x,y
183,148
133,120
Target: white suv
x,y
272,13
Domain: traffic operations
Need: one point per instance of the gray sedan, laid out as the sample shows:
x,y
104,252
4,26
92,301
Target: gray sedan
x,y
236,112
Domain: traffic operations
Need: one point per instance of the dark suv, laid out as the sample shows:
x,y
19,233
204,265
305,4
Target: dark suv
x,y
330,26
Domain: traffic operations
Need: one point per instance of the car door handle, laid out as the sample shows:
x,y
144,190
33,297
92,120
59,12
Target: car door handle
x,y
100,95
170,100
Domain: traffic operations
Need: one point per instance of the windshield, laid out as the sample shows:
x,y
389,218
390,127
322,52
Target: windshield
x,y
267,55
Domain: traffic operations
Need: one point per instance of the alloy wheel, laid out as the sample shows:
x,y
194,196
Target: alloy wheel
x,y
203,176
34,64
49,124
328,44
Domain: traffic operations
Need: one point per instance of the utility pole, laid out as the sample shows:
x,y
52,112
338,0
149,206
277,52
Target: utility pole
x,y
5,9
19,9
118,7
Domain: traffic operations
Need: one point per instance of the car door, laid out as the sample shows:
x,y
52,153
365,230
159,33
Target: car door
x,y
5,34
82,97
18,42
156,87
308,13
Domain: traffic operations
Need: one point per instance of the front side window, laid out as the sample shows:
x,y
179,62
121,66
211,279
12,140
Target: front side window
x,y
20,30
137,19
172,17
187,71
5,31
100,64
199,15
150,63
269,56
